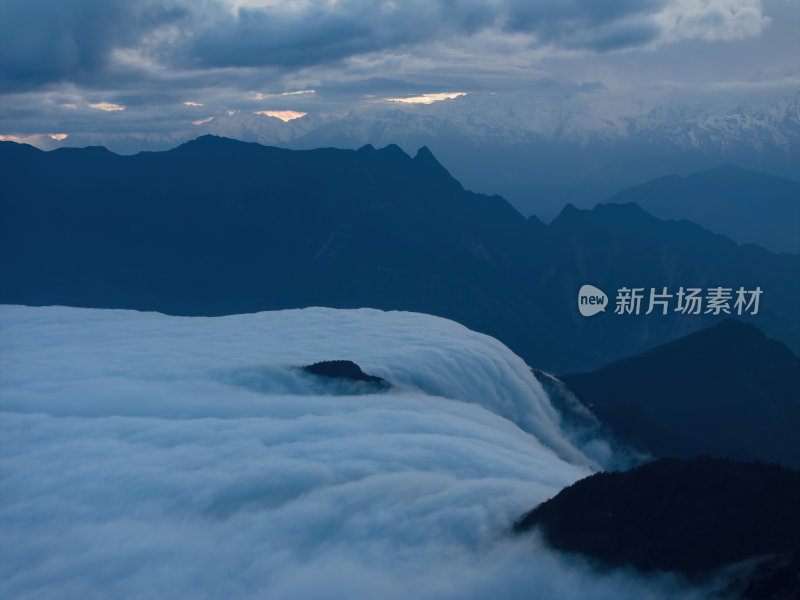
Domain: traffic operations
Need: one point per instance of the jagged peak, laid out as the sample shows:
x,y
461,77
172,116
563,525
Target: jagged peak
x,y
569,212
424,158
425,154
394,150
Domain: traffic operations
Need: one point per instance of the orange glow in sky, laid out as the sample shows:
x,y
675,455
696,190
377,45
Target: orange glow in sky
x,y
107,106
428,98
283,115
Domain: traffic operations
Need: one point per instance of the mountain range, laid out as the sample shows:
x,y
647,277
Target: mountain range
x,y
692,517
539,149
544,149
217,226
727,391
746,206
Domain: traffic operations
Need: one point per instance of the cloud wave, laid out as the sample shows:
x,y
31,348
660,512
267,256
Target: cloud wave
x,y
153,456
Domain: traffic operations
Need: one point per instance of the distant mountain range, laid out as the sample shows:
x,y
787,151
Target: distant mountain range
x,y
540,149
217,226
727,391
745,206
618,245
543,150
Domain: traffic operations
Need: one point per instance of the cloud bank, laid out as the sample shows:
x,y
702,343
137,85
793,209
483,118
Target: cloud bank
x,y
153,456
167,60
49,41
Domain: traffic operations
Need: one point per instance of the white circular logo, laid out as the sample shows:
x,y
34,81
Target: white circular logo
x,y
591,300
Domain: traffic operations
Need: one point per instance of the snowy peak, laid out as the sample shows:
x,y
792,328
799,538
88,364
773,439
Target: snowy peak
x,y
579,118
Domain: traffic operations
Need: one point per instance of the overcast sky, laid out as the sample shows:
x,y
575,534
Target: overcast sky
x,y
158,66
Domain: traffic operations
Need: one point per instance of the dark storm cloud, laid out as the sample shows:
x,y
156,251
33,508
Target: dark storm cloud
x,y
573,22
630,35
318,34
44,41
315,35
174,63
49,41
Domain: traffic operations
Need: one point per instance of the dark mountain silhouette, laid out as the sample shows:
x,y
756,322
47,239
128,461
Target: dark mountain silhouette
x,y
620,245
217,226
345,369
727,391
690,516
775,579
744,205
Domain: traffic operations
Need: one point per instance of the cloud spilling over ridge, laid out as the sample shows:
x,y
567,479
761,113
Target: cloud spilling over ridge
x,y
151,456
420,354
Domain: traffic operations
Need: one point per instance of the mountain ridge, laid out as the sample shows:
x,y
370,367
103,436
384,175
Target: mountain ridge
x,y
688,516
727,391
758,208
578,145
221,226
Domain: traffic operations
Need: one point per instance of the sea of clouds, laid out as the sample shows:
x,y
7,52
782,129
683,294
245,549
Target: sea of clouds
x,y
148,456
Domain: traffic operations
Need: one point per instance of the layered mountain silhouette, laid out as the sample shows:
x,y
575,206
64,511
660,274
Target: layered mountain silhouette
x,y
539,148
690,516
217,226
746,206
621,245
726,391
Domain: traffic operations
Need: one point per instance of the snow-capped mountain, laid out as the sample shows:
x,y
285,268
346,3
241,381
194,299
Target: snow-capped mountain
x,y
539,149
581,118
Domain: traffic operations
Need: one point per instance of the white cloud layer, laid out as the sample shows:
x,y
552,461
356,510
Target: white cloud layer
x,y
712,20
327,58
163,457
